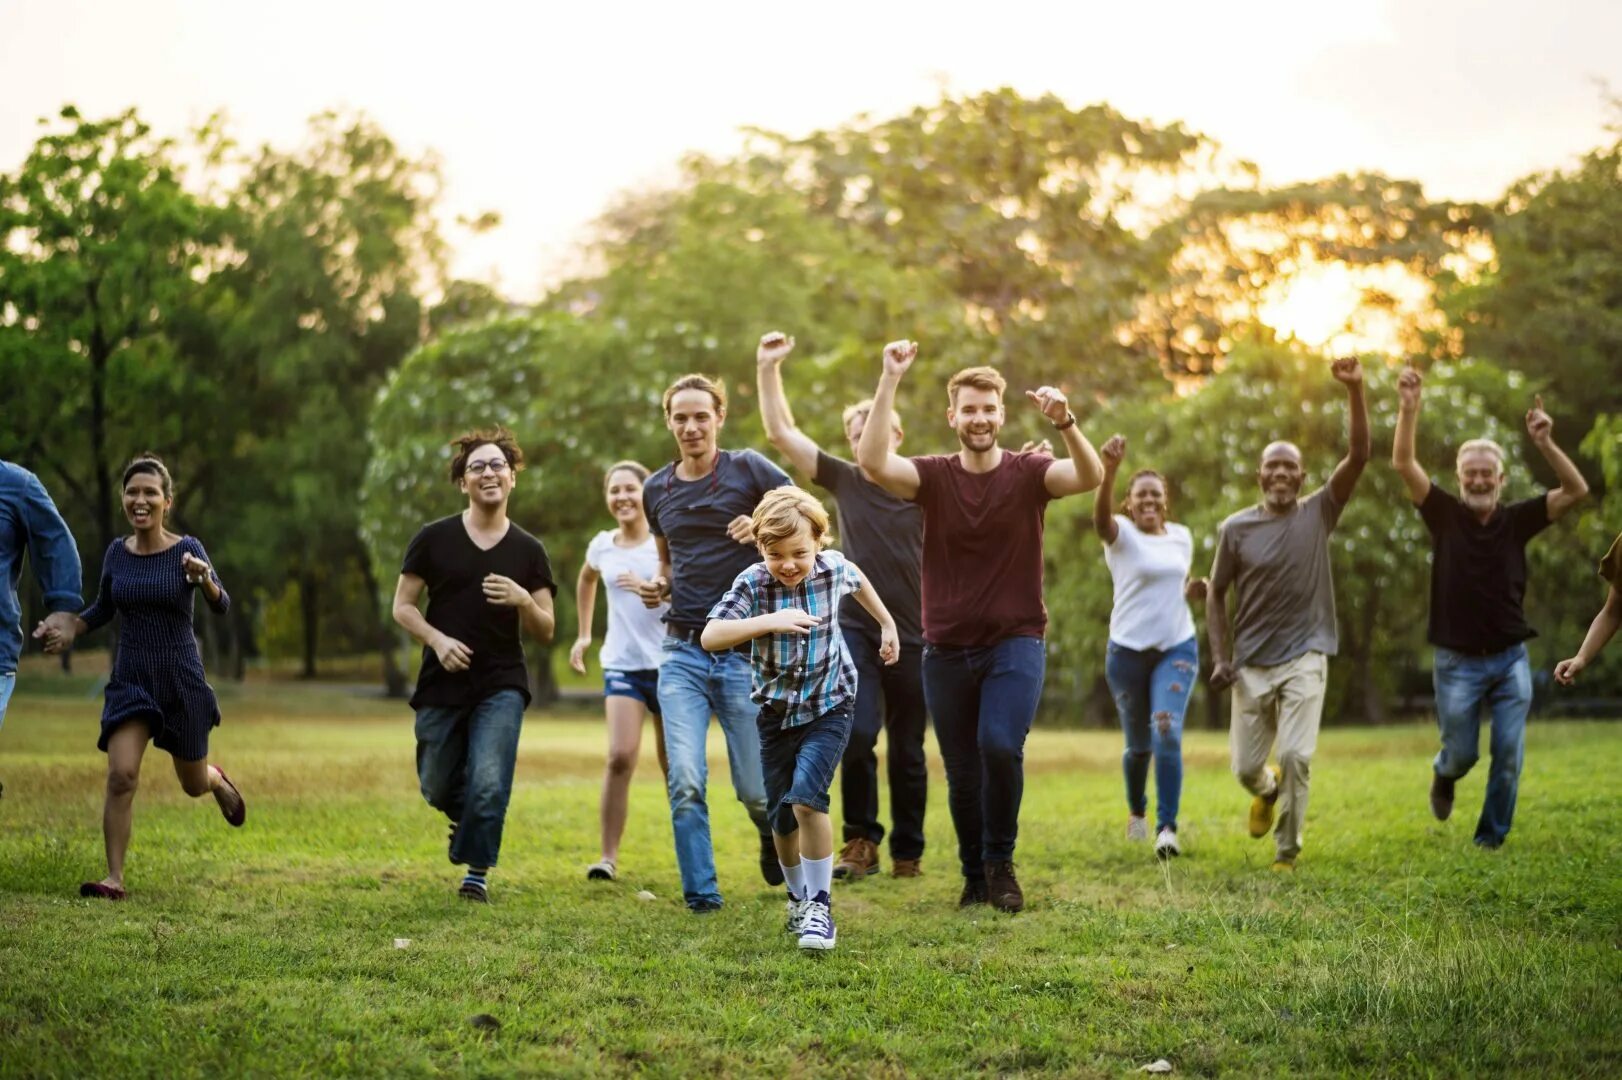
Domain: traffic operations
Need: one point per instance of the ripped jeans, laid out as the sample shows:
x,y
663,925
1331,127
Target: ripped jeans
x,y
1151,688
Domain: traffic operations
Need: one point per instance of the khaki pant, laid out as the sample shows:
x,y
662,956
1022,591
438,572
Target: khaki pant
x,y
1283,703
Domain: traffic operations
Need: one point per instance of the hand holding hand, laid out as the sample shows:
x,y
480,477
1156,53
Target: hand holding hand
x,y
742,529
453,655
505,591
1539,424
1195,590
1408,387
1565,672
56,632
791,621
195,569
1347,370
774,348
1052,401
1113,452
577,654
898,357
1223,675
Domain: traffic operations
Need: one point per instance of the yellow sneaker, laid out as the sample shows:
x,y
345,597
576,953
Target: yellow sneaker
x,y
1283,866
1261,808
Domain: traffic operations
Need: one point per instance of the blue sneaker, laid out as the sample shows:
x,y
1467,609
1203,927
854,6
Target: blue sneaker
x,y
817,923
796,914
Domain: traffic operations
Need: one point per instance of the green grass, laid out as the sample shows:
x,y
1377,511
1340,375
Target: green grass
x,y
1397,948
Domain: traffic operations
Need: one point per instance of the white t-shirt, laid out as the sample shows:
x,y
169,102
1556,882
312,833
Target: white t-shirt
x,y
1149,571
635,633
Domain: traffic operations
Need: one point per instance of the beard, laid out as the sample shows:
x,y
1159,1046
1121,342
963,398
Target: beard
x,y
1484,502
1282,498
979,442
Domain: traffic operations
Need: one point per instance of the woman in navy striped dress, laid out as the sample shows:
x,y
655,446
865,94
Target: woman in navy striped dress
x,y
157,690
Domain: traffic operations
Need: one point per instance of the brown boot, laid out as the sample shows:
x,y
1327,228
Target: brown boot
x,y
857,859
1002,888
906,868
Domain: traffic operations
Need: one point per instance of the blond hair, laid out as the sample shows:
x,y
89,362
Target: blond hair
x,y
1489,446
865,408
781,513
981,378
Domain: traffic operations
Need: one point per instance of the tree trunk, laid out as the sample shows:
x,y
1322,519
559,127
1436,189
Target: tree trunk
x,y
309,605
241,640
543,687
394,680
100,353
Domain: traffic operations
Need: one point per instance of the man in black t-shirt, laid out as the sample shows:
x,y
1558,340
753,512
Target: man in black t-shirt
x,y
486,578
884,535
1478,583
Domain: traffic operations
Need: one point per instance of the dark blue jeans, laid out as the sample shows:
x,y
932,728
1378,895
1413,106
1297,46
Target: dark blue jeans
x,y
798,762
1151,689
465,760
983,699
887,697
1502,684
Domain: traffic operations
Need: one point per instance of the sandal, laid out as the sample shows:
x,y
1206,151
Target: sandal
x,y
99,891
235,817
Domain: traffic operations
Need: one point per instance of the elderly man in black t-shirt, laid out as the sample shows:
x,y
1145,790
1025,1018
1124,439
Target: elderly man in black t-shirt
x,y
884,535
1478,583
486,578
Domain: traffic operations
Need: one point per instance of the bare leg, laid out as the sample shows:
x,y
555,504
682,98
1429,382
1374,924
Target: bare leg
x,y
124,752
197,778
788,847
624,745
816,834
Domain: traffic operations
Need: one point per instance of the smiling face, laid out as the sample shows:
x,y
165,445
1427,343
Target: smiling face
x,y
977,418
1146,503
145,504
1280,476
695,418
487,479
623,493
1481,480
790,559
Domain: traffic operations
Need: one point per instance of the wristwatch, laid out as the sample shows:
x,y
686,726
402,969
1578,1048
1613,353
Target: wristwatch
x,y
1068,422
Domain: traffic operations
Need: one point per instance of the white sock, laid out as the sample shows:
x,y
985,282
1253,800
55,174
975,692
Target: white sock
x,y
794,878
819,876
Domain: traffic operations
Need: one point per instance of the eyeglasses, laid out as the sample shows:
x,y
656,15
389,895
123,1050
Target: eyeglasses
x,y
497,466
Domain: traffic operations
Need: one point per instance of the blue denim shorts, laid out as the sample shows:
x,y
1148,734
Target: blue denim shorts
x,y
642,685
798,763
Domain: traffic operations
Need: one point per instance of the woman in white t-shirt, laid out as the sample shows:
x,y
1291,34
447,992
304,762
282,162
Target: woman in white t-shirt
x,y
1153,657
626,558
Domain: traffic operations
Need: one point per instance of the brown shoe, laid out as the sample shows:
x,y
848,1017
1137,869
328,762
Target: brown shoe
x,y
857,859
1002,888
906,868
1441,796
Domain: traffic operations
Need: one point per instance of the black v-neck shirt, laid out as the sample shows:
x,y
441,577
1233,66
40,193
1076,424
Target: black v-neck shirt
x,y
1478,571
454,568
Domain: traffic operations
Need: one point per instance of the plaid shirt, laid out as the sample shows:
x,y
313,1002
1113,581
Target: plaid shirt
x,y
804,675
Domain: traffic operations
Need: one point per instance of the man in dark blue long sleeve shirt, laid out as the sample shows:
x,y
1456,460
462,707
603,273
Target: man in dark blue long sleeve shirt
x,y
29,522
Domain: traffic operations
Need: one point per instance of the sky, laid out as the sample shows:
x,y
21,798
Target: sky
x,y
542,112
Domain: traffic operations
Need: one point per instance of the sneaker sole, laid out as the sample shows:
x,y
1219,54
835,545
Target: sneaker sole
x,y
817,944
1166,853
599,875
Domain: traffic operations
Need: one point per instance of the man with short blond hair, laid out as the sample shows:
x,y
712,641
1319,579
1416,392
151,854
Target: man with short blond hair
x,y
884,535
1478,583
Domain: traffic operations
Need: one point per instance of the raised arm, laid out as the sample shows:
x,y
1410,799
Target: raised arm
x,y
894,473
1402,446
585,606
1573,488
1081,470
1349,373
1112,453
795,444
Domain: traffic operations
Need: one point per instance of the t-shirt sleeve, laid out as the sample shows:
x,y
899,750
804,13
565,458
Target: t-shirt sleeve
x,y
650,504
419,558
540,571
929,468
849,577
1124,535
740,600
768,476
1328,506
830,472
594,553
1530,516
1036,466
1437,509
1610,567
1225,565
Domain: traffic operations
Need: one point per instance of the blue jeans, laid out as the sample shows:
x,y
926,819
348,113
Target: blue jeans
x,y
1503,683
1151,689
799,762
8,683
693,685
465,760
888,697
983,699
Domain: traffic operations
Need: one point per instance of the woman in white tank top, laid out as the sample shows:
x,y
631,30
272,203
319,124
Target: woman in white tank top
x,y
626,557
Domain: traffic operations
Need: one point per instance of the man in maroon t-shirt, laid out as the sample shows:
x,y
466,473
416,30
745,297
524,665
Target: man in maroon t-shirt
x,y
982,587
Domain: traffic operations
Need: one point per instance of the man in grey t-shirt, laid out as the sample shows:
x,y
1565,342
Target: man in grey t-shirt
x,y
1276,658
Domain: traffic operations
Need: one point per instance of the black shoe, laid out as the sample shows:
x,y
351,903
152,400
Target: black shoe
x,y
770,868
974,892
1441,796
704,907
1002,888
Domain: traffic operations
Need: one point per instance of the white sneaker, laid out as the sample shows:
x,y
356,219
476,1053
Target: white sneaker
x,y
817,925
600,871
796,915
1137,827
1166,844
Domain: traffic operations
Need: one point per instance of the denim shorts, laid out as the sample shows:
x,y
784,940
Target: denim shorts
x,y
642,685
798,763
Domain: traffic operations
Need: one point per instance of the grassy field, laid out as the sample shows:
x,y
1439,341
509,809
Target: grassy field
x,y
1397,948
